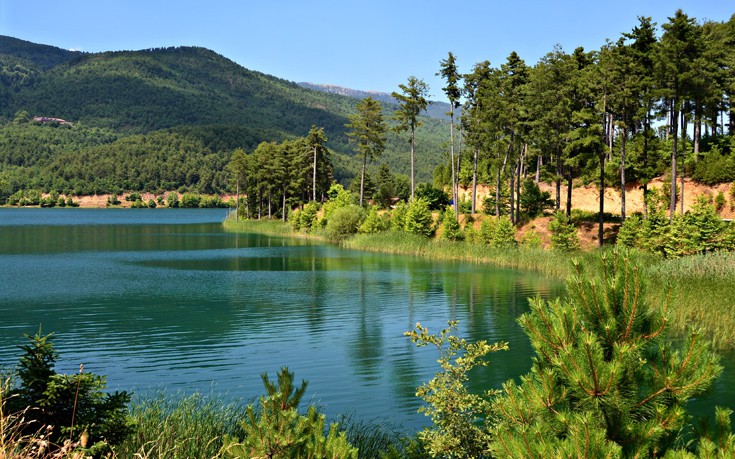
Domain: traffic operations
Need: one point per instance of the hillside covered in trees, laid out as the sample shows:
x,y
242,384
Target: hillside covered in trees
x,y
192,103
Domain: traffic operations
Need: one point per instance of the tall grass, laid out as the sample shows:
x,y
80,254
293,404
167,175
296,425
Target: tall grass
x,y
263,226
702,289
176,426
551,263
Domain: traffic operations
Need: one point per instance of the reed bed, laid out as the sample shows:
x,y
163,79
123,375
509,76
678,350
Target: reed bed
x,y
177,426
702,289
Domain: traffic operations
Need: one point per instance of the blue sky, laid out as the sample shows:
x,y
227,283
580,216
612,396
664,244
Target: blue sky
x,y
368,45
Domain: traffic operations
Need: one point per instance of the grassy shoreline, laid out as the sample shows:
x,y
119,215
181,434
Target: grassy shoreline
x,y
699,289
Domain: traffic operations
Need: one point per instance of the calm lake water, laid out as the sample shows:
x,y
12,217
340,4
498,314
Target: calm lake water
x,y
166,299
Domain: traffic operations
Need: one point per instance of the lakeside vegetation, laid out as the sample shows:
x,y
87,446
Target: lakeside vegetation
x,y
617,388
584,117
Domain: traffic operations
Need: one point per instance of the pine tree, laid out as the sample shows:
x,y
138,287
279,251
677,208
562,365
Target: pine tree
x,y
605,381
411,102
277,430
367,131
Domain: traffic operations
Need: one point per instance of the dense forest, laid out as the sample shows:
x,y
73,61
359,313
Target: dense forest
x,y
656,101
191,101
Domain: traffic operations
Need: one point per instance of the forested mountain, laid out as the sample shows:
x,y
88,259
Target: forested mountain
x,y
193,95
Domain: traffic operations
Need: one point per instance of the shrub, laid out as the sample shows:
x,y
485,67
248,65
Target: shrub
x,y
190,200
630,232
172,200
563,233
533,200
435,198
152,203
307,216
132,197
294,220
113,200
720,201
606,381
70,202
532,240
418,218
487,230
398,217
373,223
504,234
277,429
68,404
338,198
344,222
451,230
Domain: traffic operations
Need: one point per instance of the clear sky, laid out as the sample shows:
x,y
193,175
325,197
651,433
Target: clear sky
x,y
367,45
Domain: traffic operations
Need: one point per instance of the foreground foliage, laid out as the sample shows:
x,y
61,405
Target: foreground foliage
x,y
72,411
604,381
277,430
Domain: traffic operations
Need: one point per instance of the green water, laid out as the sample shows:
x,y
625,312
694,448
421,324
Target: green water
x,y
166,299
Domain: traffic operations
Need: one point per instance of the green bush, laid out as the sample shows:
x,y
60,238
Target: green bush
x,y
451,230
720,201
338,198
487,230
418,218
277,430
113,200
563,233
172,200
435,198
132,197
152,203
534,201
398,217
307,216
715,168
294,220
190,200
505,234
605,382
344,222
373,223
67,405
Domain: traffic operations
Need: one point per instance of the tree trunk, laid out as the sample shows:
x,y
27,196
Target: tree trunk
x,y
512,192
697,134
683,152
569,193
313,185
237,202
674,132
451,157
622,173
362,178
412,176
646,128
285,215
558,179
474,181
610,136
497,195
518,182
601,218
539,164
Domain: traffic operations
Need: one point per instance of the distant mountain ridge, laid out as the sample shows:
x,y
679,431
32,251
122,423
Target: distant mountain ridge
x,y
437,110
181,91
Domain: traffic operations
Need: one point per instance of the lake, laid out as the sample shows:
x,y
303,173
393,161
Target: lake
x,y
166,299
